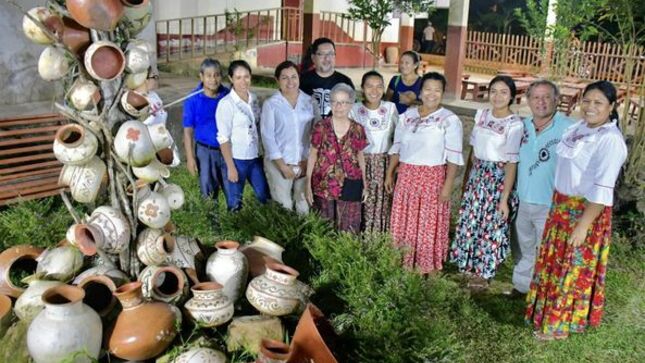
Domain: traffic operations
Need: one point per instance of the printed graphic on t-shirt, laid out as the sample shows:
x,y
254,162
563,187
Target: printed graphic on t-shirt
x,y
321,98
544,155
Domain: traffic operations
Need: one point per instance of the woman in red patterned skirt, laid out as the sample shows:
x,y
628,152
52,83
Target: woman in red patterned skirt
x,y
426,153
568,288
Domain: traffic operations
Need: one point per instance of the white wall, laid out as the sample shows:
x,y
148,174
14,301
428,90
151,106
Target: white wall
x,y
173,9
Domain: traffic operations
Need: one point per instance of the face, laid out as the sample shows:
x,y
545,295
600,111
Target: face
x,y
407,65
241,79
288,81
499,95
431,94
373,89
542,101
211,78
341,104
596,108
325,58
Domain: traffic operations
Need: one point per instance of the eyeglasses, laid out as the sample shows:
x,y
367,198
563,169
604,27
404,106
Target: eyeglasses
x,y
339,103
326,55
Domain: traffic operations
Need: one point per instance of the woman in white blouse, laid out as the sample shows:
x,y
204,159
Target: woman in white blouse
x,y
379,118
287,117
238,115
482,240
426,153
568,288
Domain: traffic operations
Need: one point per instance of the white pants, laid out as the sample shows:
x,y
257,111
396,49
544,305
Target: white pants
x,y
285,191
529,226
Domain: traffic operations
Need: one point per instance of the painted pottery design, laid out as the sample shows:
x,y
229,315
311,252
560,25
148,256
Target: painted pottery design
x,y
228,267
114,227
17,259
74,145
275,292
135,104
103,268
154,210
104,60
66,316
84,95
30,303
201,355
132,340
273,351
60,263
152,172
138,14
183,255
133,145
164,283
257,251
5,314
32,31
209,307
312,338
136,60
84,180
52,64
160,136
154,246
96,14
174,194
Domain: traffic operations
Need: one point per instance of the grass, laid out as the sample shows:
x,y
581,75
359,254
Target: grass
x,y
382,312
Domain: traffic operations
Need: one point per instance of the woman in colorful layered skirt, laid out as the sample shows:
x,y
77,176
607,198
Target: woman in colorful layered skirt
x,y
568,288
379,119
336,164
482,241
427,151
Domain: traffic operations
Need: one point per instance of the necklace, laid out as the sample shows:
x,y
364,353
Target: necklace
x,y
539,128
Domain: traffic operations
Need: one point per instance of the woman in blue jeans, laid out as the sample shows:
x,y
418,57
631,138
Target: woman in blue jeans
x,y
238,117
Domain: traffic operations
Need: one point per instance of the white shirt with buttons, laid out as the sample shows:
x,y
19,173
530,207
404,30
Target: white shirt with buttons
x,y
237,123
379,125
497,139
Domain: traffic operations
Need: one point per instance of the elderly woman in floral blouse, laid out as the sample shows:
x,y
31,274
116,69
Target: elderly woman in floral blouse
x,y
336,164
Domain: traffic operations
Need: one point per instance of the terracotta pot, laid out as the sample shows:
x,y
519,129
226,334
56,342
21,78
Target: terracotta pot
x,y
96,14
201,355
308,343
275,292
164,283
114,226
99,293
75,36
104,60
74,145
209,307
273,351
154,246
17,259
152,172
84,95
229,267
5,314
30,303
32,31
132,340
60,263
154,210
52,64
256,252
66,316
138,14
84,180
133,144
135,104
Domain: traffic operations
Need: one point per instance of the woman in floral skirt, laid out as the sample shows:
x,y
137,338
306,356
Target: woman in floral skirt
x,y
568,288
379,118
482,241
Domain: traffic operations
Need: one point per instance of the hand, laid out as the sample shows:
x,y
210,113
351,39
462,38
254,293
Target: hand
x,y
578,235
303,169
309,195
444,194
232,175
503,209
389,183
287,172
407,97
191,166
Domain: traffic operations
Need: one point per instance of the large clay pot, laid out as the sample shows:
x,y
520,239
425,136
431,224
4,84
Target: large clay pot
x,y
30,303
308,343
228,267
64,327
32,31
5,314
104,60
154,246
84,180
143,330
60,263
201,355
138,14
96,14
185,251
152,172
114,226
135,104
257,251
99,293
84,95
174,194
164,283
17,259
154,210
275,292
133,144
52,64
74,145
273,351
209,307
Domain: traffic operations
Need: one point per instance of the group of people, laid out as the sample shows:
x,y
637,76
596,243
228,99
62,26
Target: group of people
x,y
388,164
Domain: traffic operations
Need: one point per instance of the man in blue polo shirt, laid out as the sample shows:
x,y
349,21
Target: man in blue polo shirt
x,y
203,156
536,177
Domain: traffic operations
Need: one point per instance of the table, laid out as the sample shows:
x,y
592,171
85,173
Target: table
x,y
478,89
568,99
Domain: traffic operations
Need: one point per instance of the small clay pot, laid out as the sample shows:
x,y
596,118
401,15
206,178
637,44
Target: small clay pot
x,y
17,258
104,60
99,293
273,351
134,104
310,338
96,14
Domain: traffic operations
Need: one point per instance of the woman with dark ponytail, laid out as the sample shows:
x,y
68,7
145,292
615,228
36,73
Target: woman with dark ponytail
x,y
568,288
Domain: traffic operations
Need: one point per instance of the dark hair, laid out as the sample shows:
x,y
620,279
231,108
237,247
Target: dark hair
x,y
313,48
416,58
434,76
282,66
607,89
508,81
210,63
318,42
237,64
369,74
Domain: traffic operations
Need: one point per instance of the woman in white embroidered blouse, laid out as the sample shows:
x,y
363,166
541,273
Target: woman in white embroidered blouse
x,y
568,288
426,151
482,240
379,118
237,116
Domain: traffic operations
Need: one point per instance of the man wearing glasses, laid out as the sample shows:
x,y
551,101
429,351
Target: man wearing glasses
x,y
319,81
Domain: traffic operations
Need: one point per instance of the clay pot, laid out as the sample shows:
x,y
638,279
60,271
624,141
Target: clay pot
x,y
154,210
133,340
114,226
275,292
135,80
168,157
30,303
160,136
66,316
75,36
74,145
257,251
138,14
174,194
154,246
84,180
209,307
99,293
137,60
105,267
13,260
201,355
84,95
85,237
152,172
104,60
60,263
96,14
135,104
52,64
164,283
5,314
228,267
273,351
184,253
32,31
133,144
308,343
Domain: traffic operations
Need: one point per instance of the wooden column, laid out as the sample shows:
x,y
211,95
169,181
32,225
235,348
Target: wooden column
x,y
406,32
456,47
311,22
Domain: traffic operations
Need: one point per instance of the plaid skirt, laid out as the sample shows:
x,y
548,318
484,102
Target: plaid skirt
x,y
345,215
377,207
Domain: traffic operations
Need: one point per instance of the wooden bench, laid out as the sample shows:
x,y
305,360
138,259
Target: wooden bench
x,y
479,90
28,168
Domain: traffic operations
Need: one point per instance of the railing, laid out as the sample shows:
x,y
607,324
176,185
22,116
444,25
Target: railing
x,y
342,30
223,33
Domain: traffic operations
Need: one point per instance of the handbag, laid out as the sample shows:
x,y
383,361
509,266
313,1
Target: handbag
x,y
352,190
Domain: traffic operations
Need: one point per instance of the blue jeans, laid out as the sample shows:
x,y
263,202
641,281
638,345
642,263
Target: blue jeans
x,y
212,170
252,171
